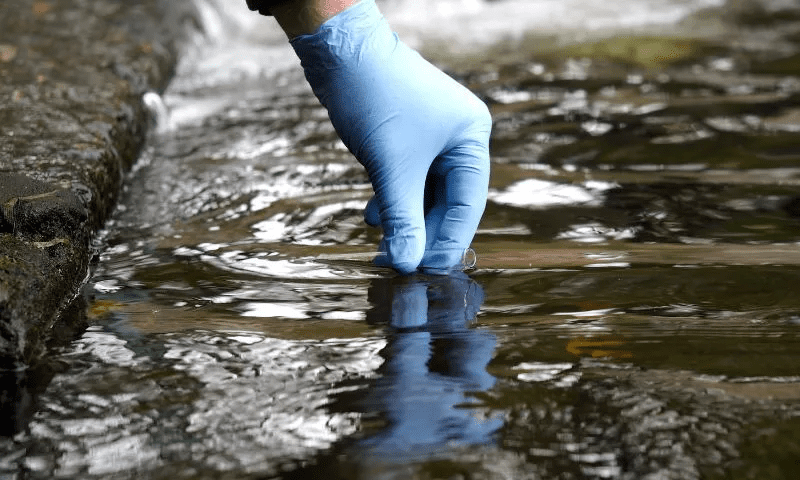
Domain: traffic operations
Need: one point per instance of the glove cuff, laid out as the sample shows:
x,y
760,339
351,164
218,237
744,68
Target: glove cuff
x,y
339,39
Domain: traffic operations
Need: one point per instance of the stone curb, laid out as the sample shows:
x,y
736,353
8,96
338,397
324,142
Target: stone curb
x,y
72,121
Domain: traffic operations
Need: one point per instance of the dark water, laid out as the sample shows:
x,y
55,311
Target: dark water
x,y
633,314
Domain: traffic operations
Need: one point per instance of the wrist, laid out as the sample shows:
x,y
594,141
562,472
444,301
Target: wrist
x,y
303,17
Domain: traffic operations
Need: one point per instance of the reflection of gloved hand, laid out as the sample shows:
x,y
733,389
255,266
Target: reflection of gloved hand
x,y
434,363
440,304
405,121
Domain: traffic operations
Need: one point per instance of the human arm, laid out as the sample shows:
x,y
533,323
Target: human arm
x,y
300,17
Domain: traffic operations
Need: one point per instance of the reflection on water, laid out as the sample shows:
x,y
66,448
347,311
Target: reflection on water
x,y
199,401
433,360
632,315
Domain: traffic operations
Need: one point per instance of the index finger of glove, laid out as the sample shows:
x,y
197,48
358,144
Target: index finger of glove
x,y
458,203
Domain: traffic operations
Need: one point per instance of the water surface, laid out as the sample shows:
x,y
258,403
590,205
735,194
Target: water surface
x,y
633,313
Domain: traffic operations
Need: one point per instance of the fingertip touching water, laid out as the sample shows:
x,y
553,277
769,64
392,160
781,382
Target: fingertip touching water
x,y
405,121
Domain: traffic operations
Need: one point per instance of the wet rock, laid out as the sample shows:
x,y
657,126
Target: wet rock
x,y
37,281
38,211
72,121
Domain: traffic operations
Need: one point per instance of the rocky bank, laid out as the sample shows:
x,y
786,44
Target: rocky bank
x,y
72,121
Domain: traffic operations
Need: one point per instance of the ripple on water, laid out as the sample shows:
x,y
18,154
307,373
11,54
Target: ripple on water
x,y
221,401
638,258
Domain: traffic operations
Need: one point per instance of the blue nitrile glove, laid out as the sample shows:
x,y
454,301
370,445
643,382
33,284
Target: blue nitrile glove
x,y
404,120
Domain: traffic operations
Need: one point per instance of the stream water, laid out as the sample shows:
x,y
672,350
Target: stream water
x,y
633,312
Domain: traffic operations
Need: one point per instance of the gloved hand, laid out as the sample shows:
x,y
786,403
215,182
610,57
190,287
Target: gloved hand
x,y
406,122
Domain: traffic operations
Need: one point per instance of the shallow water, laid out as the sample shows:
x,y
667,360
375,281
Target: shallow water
x,y
633,313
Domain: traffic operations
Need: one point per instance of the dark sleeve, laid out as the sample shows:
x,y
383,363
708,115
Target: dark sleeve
x,y
263,6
